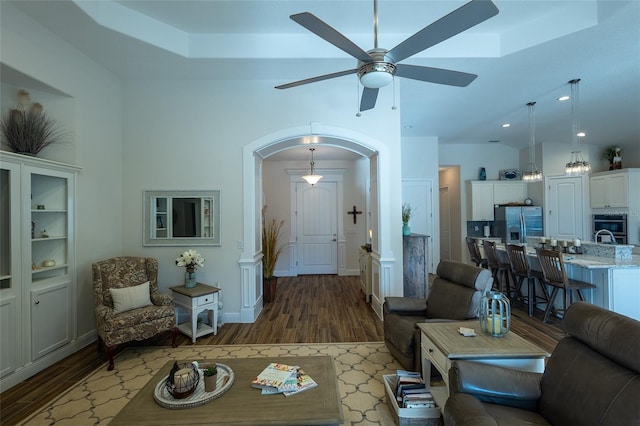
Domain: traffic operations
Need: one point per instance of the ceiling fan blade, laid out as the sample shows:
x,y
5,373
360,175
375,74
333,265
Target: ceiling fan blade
x,y
435,75
318,78
325,31
369,97
461,19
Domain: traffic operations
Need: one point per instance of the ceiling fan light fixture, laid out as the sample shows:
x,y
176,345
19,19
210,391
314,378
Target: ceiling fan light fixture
x,y
375,75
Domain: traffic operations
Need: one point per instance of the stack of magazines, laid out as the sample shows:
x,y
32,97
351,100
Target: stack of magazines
x,y
411,392
282,378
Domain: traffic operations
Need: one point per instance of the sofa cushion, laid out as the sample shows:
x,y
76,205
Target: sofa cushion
x,y
467,275
128,298
137,316
399,330
447,300
615,336
580,386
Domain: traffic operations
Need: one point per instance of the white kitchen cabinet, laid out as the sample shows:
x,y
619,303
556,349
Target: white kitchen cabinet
x,y
483,195
610,190
479,200
506,192
38,271
615,189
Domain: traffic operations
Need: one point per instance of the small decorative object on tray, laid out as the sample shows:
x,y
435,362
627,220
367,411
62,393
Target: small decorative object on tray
x,y
183,380
199,396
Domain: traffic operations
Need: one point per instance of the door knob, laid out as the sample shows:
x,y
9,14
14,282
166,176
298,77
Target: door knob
x,y
334,239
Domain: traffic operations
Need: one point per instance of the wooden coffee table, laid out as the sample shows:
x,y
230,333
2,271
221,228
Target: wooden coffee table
x,y
441,343
244,405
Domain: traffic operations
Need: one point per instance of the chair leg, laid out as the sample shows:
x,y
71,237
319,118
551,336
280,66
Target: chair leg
x,y
110,351
531,291
550,304
174,335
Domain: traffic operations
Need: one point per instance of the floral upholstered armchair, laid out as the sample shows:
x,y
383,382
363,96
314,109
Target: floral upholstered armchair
x,y
128,303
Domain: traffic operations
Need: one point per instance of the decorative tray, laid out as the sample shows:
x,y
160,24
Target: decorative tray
x,y
199,397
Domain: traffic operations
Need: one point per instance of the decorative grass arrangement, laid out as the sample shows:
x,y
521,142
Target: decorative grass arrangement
x,y
406,212
270,248
27,129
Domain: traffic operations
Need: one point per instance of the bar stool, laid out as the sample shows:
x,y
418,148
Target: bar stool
x,y
474,252
521,270
555,275
499,269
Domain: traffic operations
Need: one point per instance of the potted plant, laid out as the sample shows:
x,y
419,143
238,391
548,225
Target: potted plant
x,y
210,373
271,250
613,155
406,216
27,129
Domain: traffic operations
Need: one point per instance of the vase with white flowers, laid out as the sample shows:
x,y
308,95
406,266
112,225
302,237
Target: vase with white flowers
x,y
190,259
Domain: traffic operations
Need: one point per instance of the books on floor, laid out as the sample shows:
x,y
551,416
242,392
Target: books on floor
x,y
411,392
282,378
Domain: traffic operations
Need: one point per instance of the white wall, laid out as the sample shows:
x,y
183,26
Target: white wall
x,y
190,135
96,126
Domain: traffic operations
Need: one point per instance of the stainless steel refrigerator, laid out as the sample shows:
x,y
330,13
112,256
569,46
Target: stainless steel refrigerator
x,y
514,224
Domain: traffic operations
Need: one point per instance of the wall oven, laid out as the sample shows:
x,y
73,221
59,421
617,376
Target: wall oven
x,y
616,223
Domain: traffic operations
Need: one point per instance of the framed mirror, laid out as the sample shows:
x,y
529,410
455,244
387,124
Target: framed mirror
x,y
181,218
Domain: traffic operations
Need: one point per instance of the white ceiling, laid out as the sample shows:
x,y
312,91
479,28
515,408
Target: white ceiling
x,y
528,52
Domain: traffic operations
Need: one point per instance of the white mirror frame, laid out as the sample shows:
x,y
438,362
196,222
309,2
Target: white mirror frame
x,y
209,217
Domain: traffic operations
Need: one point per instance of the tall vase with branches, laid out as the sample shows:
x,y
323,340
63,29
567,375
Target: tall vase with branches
x,y
271,250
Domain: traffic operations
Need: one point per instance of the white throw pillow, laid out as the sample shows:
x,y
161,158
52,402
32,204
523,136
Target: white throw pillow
x,y
127,298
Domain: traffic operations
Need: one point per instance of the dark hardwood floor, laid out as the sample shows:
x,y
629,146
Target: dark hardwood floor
x,y
306,309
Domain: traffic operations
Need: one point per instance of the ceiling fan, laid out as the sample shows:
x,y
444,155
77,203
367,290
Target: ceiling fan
x,y
377,67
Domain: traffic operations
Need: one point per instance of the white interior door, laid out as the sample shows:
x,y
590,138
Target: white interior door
x,y
445,224
564,212
317,229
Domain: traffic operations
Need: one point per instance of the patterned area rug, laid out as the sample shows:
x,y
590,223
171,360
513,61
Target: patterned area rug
x,y
99,397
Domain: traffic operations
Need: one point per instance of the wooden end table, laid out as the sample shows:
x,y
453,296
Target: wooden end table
x,y
441,343
195,300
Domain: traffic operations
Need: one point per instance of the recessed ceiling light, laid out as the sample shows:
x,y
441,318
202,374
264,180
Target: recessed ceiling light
x,y
505,125
564,98
581,134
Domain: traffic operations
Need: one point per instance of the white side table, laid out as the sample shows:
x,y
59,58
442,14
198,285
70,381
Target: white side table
x,y
196,300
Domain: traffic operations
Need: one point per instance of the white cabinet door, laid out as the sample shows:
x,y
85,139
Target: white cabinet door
x,y
480,199
609,191
509,192
50,319
9,350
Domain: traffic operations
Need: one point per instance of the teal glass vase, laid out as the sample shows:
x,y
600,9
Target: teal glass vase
x,y
405,229
190,278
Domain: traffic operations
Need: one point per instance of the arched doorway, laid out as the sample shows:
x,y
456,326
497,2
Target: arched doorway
x,y
382,186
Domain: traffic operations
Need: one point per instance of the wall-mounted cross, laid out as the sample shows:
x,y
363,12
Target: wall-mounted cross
x,y
354,212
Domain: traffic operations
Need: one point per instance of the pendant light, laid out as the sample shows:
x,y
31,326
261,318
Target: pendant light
x,y
577,165
311,177
533,175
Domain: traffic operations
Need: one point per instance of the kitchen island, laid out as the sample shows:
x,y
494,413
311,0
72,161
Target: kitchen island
x,y
617,281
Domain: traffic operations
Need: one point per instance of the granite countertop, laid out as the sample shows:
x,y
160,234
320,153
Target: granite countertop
x,y
591,262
